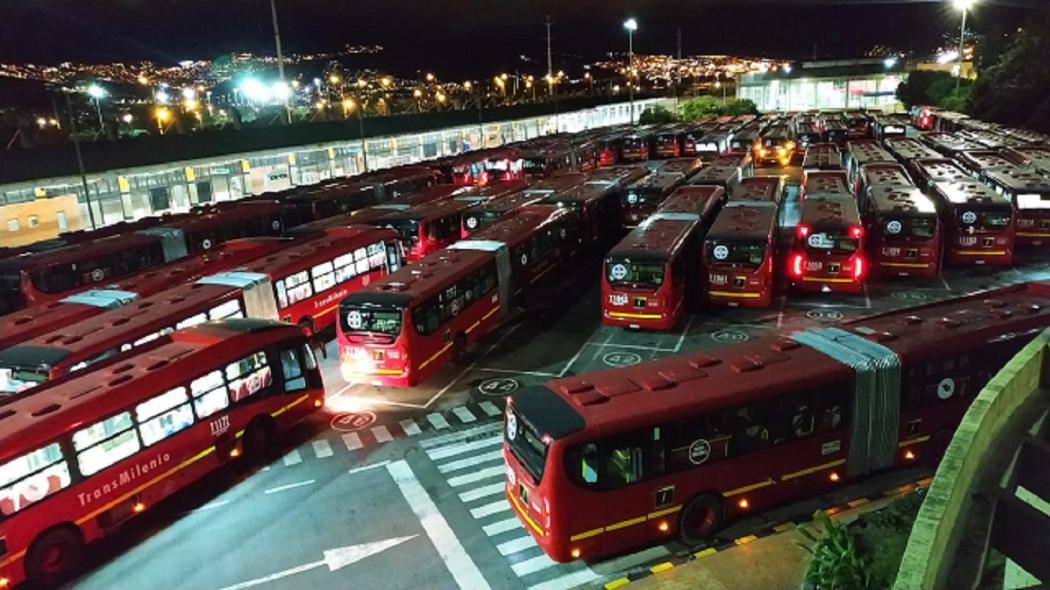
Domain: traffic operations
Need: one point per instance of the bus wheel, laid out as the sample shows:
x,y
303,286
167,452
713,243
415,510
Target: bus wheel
x,y
258,438
459,348
702,518
54,556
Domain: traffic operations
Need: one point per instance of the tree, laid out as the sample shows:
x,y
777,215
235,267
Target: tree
x,y
656,114
741,106
701,106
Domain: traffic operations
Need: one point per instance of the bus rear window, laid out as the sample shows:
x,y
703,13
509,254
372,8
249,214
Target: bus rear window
x,y
985,219
746,254
370,319
14,380
636,274
921,228
831,243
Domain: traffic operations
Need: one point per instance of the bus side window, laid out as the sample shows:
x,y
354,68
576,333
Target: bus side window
x,y
311,360
589,464
623,462
294,380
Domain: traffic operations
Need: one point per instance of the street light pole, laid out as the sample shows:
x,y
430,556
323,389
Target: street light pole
x,y
964,6
280,56
631,25
80,162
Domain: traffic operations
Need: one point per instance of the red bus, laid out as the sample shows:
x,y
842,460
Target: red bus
x,y
652,273
301,285
904,232
485,214
609,149
891,127
861,153
759,188
949,144
332,198
687,167
825,182
927,172
880,173
642,198
1029,191
827,253
597,205
726,177
859,125
978,222
822,156
635,147
401,330
739,254
907,150
604,462
481,166
543,159
667,143
41,319
115,442
1036,156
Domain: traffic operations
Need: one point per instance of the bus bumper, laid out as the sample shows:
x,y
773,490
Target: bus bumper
x,y
755,299
639,320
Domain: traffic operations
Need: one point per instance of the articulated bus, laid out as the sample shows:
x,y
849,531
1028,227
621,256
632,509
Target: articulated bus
x,y
598,202
759,188
403,329
423,228
827,253
1035,156
485,214
979,223
604,462
84,457
301,285
643,198
652,273
978,162
860,153
1029,191
739,254
904,232
41,319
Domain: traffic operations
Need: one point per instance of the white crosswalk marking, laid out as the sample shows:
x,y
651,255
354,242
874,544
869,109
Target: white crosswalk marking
x,y
533,565
464,414
458,449
322,448
460,436
451,466
410,427
293,458
486,473
490,509
516,545
502,526
490,408
353,441
382,434
482,492
437,420
567,581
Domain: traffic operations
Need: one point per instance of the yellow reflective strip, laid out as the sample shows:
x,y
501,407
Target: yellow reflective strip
x,y
745,540
754,486
436,354
705,552
1026,234
473,326
624,524
326,310
149,483
905,264
521,512
613,585
489,314
587,534
821,280
661,567
913,441
732,294
665,511
12,558
385,371
636,316
814,469
289,406
981,252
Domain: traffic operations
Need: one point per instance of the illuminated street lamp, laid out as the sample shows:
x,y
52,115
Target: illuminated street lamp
x,y
440,96
127,118
163,116
631,25
98,93
430,77
963,6
467,85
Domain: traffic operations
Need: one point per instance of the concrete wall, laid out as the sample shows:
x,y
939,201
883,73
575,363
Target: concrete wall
x,y
940,524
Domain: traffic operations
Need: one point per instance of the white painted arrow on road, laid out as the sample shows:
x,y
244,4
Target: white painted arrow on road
x,y
335,559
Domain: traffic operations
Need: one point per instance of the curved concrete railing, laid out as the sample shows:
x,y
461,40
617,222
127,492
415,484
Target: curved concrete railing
x,y
938,526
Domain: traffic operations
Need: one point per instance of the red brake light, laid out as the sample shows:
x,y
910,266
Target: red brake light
x,y
856,231
798,262
803,230
858,267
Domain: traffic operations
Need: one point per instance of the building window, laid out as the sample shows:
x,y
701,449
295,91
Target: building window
x,y
33,221
12,225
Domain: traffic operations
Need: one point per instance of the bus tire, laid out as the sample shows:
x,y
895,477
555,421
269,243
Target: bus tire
x,y
459,348
702,518
54,556
258,438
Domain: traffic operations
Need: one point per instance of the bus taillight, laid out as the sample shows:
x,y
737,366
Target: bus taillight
x,y
858,267
856,231
798,265
802,230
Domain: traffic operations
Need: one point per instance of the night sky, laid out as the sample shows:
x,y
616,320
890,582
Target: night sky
x,y
454,37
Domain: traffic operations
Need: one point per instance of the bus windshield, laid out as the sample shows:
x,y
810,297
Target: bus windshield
x,y
15,380
357,318
527,445
408,229
621,271
11,298
747,254
831,243
922,228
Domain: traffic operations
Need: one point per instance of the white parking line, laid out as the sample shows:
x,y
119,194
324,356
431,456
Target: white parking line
x,y
490,408
458,449
681,337
488,472
465,416
457,560
531,566
482,492
212,505
322,448
491,508
410,427
470,461
518,372
369,467
462,435
567,581
437,420
516,545
290,486
293,458
502,526
352,441
382,434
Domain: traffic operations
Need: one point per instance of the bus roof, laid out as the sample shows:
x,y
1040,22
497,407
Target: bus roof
x,y
939,170
1019,179
907,148
654,239
522,226
969,192
827,181
659,181
34,420
554,184
900,199
829,211
428,211
29,261
505,203
701,199
719,175
949,143
885,173
868,151
985,160
759,188
745,220
620,175
419,281
683,166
